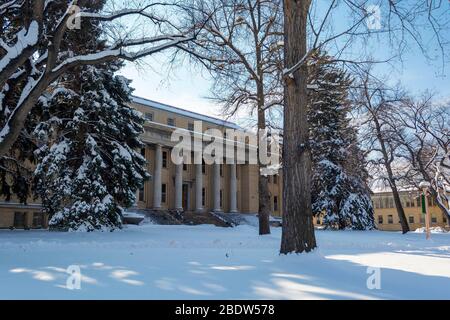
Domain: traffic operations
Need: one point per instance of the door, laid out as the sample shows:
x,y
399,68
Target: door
x,y
185,196
19,220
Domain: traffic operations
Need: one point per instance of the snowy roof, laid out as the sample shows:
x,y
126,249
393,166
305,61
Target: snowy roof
x,y
184,112
387,189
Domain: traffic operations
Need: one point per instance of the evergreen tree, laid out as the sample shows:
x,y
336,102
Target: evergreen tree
x,y
339,189
16,173
89,169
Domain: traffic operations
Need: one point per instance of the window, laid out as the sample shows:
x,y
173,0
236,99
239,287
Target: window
x,y
380,219
221,198
203,196
318,220
163,192
444,219
149,116
390,219
418,202
141,194
19,219
164,159
269,179
190,126
184,167
171,122
408,202
422,218
143,152
221,170
275,179
275,203
203,166
37,220
433,219
391,202
411,219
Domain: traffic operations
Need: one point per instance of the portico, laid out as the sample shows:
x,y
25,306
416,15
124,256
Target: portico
x,y
193,186
183,179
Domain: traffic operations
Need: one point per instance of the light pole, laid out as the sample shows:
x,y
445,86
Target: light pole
x,y
424,185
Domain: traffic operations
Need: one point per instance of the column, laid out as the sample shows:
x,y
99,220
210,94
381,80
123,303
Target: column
x,y
198,187
157,178
179,186
233,188
216,186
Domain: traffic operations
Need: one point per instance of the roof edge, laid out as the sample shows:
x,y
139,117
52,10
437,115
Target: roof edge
x,y
184,112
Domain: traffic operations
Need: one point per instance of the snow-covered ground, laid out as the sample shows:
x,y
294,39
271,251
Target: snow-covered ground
x,y
207,262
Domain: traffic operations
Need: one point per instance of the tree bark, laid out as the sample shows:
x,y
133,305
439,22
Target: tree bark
x,y
298,229
263,185
391,178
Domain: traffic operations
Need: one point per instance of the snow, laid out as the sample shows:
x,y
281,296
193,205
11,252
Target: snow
x,y
207,262
432,230
25,38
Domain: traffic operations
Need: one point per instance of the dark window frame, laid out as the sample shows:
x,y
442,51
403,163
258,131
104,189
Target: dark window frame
x,y
163,193
171,122
203,197
164,159
149,116
380,219
390,219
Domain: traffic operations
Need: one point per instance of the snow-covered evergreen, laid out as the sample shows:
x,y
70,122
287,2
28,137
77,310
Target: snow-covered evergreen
x,y
339,189
90,166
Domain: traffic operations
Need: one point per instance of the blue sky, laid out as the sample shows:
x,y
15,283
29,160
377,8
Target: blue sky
x,y
188,87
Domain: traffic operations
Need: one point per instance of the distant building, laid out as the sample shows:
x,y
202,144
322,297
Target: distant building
x,y
386,217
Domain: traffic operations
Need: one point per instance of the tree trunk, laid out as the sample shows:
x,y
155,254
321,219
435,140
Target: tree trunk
x,y
393,185
263,183
20,114
298,229
399,207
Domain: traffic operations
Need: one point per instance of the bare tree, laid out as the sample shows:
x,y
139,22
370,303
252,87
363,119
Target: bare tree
x,y
403,22
33,53
241,47
377,105
422,130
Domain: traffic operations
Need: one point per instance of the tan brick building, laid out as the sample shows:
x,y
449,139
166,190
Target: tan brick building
x,y
224,187
386,217
195,187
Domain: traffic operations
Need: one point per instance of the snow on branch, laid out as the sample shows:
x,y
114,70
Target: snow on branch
x,y
120,53
35,52
25,38
9,5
